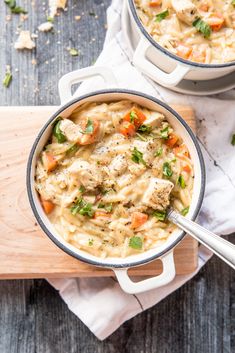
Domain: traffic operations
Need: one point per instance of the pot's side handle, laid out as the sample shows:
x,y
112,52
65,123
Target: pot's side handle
x,y
164,278
140,60
66,81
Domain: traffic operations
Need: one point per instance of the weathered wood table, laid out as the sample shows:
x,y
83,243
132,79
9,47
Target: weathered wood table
x,y
199,317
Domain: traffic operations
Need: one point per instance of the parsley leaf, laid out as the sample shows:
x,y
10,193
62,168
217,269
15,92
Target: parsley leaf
x,y
165,133
185,211
83,208
108,207
145,128
133,117
166,169
233,137
136,243
82,189
160,16
57,132
14,9
89,127
158,152
8,77
160,215
90,242
202,27
137,157
73,52
73,149
181,182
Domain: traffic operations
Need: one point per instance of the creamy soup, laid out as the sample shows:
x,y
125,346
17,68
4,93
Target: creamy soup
x,y
108,174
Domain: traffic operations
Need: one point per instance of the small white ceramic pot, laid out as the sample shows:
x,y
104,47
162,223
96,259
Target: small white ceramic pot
x,y
163,66
119,265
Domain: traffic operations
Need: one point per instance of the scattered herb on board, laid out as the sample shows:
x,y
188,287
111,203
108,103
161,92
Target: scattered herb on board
x,y
160,16
57,132
137,157
83,208
158,153
50,19
136,243
202,27
181,182
165,133
89,127
185,211
74,52
15,9
233,137
8,77
166,169
160,215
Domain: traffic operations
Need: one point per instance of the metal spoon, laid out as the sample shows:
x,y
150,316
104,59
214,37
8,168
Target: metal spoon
x,y
219,246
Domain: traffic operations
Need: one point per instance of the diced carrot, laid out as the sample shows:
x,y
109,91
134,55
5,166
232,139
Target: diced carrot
x,y
47,205
138,219
184,51
137,119
215,21
172,140
155,3
49,161
198,55
181,150
101,214
127,129
204,7
88,138
186,168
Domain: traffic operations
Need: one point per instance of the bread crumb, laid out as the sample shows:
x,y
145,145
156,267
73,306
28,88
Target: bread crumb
x,y
77,18
34,62
24,41
54,5
45,27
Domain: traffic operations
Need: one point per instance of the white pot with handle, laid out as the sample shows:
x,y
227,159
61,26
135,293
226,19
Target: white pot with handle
x,y
163,66
119,265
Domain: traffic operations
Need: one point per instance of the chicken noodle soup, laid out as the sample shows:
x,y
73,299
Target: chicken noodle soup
x,y
108,174
196,30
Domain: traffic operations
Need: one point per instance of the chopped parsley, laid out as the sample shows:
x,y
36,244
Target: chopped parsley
x,y
136,243
185,211
233,2
233,137
166,169
14,9
160,215
137,157
50,19
133,117
160,16
83,208
8,77
57,132
73,52
181,182
73,149
158,153
202,27
165,133
82,189
90,242
145,128
89,127
108,207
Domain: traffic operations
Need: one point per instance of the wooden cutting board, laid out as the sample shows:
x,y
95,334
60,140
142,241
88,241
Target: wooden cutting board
x,y
25,251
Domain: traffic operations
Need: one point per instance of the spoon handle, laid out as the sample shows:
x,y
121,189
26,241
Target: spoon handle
x,y
221,247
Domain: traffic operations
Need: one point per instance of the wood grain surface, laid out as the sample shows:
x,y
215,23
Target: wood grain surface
x,y
21,237
197,318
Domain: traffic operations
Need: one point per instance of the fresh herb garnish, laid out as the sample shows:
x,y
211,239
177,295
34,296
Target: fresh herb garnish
x,y
160,16
57,132
166,169
82,189
233,2
74,52
165,133
136,243
8,77
158,152
90,242
83,208
185,211
108,207
202,27
145,128
181,182
14,9
50,19
137,157
160,215
133,116
73,149
89,127
233,137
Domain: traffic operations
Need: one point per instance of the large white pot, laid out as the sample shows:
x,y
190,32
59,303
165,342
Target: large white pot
x,y
163,66
119,265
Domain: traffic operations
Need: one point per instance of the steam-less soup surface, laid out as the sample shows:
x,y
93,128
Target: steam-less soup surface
x,y
195,30
108,174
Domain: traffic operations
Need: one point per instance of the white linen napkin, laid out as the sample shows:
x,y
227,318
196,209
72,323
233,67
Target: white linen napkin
x,y
99,302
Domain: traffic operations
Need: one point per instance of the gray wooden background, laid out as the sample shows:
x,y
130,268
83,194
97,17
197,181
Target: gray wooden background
x,y
198,318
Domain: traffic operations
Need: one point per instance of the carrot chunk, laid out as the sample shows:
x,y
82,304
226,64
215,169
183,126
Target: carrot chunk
x,y
138,219
127,129
49,161
135,117
184,51
181,150
172,140
47,205
101,214
186,168
155,3
215,21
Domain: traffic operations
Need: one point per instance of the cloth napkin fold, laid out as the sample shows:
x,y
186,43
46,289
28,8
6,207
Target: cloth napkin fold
x,y
99,302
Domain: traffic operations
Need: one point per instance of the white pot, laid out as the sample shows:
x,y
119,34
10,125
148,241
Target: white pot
x,y
119,265
163,66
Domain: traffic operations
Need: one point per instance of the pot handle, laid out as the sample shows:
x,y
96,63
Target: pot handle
x,y
167,275
140,60
66,81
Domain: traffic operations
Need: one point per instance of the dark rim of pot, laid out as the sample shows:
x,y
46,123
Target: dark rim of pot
x,y
167,52
30,187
